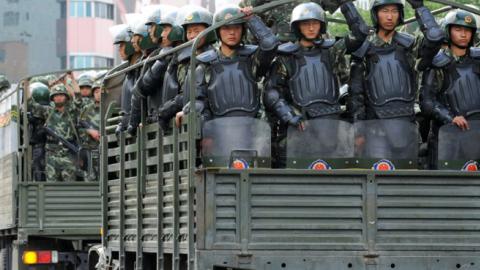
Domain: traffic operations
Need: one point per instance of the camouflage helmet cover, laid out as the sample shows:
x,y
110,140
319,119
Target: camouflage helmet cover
x,y
59,89
40,93
196,15
85,80
461,18
379,3
308,11
227,13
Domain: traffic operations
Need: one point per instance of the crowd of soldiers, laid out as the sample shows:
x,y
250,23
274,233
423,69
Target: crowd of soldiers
x,y
63,120
281,66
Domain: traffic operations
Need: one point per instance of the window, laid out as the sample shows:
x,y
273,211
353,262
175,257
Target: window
x,y
104,10
87,61
85,8
11,18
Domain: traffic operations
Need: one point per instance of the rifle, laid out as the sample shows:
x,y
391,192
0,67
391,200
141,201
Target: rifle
x,y
88,125
72,147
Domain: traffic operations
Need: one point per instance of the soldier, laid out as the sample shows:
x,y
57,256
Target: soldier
x,y
227,77
304,82
128,53
141,39
89,123
194,21
450,89
278,19
84,86
60,161
153,21
40,95
383,70
159,76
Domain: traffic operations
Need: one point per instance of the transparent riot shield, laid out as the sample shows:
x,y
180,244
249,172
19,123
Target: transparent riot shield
x,y
236,142
457,149
324,144
386,144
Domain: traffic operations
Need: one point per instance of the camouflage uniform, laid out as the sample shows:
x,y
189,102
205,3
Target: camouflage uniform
x,y
90,119
59,161
278,19
87,81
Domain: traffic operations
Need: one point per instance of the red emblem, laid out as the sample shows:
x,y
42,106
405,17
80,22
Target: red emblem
x,y
239,164
470,166
320,165
383,165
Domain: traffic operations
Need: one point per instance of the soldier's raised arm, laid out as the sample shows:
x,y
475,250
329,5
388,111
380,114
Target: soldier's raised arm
x,y
426,47
267,43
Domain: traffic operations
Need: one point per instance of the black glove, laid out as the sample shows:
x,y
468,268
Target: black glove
x,y
295,121
416,3
132,130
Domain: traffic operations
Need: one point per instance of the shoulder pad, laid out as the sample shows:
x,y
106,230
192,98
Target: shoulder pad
x,y
404,39
475,53
288,48
441,60
327,43
184,54
362,51
207,56
247,50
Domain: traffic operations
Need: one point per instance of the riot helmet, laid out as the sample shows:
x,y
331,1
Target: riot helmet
x,y
460,18
40,93
380,3
196,15
305,12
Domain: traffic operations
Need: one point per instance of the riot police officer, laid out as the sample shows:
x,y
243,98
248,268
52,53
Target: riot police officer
x,y
383,70
227,77
450,89
194,21
304,82
158,76
122,38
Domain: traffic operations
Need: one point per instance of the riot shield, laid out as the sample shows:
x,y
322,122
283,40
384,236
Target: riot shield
x,y
236,142
324,144
386,144
457,149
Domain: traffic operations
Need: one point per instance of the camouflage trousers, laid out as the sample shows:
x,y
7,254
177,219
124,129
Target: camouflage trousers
x,y
60,166
38,162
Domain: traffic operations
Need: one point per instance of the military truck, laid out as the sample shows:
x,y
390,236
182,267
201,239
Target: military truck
x,y
43,225
161,210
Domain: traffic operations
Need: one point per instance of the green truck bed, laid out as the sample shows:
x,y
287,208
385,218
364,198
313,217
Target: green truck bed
x,y
296,219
